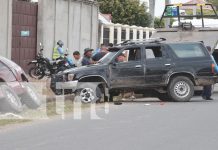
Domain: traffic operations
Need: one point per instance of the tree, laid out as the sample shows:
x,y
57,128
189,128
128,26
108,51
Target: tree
x,y
130,12
214,2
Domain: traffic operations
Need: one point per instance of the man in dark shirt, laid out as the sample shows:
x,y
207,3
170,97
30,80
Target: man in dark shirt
x,y
87,57
100,54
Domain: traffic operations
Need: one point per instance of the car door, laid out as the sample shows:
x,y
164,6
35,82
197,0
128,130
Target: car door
x,y
158,64
130,72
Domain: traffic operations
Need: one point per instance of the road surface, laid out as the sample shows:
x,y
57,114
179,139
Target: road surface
x,y
142,125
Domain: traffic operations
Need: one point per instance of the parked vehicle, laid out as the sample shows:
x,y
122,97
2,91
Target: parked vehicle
x,y
45,67
155,68
15,91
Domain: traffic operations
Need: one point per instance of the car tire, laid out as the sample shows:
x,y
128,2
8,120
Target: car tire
x,y
11,102
89,93
181,89
30,98
36,73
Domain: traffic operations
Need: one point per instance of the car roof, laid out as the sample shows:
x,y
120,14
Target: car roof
x,y
8,62
119,47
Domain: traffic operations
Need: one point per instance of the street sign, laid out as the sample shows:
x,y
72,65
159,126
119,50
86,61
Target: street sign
x,y
25,33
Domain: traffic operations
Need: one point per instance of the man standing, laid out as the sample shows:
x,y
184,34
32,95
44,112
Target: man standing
x,y
207,90
101,54
58,51
77,59
87,57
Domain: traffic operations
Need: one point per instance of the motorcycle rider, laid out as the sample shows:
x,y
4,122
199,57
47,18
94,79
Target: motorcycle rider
x,y
69,59
58,50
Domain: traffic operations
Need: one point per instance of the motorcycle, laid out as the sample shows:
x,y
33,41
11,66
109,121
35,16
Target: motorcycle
x,y
44,67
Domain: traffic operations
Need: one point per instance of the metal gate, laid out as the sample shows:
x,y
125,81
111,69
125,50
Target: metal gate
x,y
24,32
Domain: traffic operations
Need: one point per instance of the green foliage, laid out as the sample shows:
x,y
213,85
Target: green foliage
x,y
158,24
129,12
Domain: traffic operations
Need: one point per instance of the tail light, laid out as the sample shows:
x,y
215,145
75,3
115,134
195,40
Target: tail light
x,y
213,68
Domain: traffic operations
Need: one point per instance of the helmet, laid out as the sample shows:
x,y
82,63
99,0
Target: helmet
x,y
60,43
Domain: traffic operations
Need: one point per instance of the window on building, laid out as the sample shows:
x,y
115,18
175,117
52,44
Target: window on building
x,y
106,36
123,36
115,36
138,34
131,34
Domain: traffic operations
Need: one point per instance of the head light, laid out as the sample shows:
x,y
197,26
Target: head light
x,y
70,77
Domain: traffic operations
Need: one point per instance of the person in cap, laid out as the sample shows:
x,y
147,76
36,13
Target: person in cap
x,y
77,59
87,59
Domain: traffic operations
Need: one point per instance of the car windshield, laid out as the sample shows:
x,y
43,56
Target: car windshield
x,y
107,58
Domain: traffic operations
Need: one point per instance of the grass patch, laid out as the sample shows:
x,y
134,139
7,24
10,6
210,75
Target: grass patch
x,y
5,122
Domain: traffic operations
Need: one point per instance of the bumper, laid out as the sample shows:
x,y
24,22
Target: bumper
x,y
57,84
206,80
71,85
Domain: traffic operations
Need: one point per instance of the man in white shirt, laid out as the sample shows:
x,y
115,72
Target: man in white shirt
x,y
77,59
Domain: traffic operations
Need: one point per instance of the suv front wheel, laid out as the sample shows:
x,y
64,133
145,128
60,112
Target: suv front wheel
x,y
181,89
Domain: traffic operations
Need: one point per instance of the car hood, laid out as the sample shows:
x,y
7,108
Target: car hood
x,y
85,68
11,64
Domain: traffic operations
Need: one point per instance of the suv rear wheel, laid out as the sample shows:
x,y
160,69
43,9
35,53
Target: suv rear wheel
x,y
181,89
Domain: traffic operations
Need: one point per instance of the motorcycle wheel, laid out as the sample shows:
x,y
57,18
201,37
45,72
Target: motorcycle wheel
x,y
36,73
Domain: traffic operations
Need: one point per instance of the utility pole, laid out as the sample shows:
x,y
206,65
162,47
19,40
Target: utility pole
x,y
167,21
195,9
152,11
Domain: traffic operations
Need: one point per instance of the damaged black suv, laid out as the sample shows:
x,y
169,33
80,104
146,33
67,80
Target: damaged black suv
x,y
154,68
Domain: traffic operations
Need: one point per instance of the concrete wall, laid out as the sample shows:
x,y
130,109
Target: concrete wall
x,y
75,22
5,28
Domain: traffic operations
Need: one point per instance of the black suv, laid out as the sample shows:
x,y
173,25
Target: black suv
x,y
154,68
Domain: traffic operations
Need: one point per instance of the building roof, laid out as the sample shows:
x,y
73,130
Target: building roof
x,y
196,2
105,18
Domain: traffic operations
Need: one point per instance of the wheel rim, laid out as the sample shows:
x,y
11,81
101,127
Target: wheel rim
x,y
12,98
87,95
35,73
181,89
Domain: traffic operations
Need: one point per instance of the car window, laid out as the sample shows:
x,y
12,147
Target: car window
x,y
153,52
128,55
187,50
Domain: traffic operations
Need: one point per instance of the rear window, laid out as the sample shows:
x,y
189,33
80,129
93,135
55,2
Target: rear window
x,y
188,50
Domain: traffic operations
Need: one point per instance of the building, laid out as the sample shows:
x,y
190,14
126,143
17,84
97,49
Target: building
x,y
24,24
116,33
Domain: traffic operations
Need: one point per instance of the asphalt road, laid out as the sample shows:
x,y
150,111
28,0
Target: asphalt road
x,y
132,126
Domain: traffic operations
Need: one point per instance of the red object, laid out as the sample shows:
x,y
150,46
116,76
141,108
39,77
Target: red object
x,y
213,68
12,75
